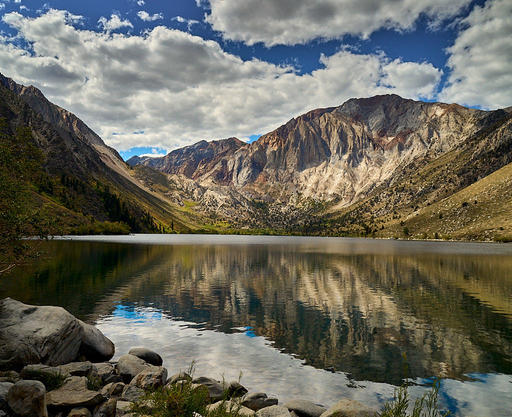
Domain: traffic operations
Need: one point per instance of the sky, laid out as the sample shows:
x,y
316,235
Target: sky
x,y
150,76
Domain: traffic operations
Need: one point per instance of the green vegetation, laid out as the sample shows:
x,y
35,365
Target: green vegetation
x,y
94,383
50,380
425,406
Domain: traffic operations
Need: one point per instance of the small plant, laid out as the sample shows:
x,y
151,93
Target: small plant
x,y
425,406
94,383
50,380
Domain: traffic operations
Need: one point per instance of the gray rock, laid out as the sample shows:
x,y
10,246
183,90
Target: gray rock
x,y
180,376
273,411
129,366
114,389
235,389
113,378
132,393
9,376
48,335
305,408
349,408
4,389
258,400
95,346
232,407
79,412
74,393
106,409
215,389
150,379
147,355
104,370
39,370
123,408
28,398
79,369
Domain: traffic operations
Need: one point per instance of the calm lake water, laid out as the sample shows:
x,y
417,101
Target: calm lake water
x,y
315,318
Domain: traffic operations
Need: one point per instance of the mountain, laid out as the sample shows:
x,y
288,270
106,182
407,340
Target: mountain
x,y
353,169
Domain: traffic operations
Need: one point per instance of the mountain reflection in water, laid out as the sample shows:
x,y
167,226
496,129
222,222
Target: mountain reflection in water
x,y
375,312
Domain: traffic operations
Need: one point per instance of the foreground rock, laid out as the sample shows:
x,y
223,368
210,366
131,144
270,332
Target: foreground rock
x,y
215,388
349,408
74,393
258,400
48,335
150,379
303,408
232,406
129,366
274,411
28,398
147,355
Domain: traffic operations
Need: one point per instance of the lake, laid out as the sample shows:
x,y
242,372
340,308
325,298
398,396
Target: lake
x,y
315,318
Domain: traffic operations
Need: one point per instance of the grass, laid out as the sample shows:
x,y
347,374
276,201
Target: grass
x,y
50,380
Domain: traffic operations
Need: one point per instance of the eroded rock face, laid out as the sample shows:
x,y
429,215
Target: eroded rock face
x,y
74,393
28,398
349,408
47,335
147,355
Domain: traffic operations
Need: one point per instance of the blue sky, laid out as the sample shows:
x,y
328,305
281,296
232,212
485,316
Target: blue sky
x,y
150,76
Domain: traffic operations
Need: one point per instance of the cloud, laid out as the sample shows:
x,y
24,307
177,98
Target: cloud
x,y
115,22
178,88
149,17
481,58
188,22
290,22
141,2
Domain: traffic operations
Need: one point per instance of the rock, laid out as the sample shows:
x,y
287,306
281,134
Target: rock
x,y
235,389
9,376
123,408
74,393
79,412
51,376
180,376
147,355
232,407
104,370
215,388
48,335
303,408
114,389
113,378
349,408
129,366
95,346
4,389
33,334
79,369
28,398
132,393
258,400
150,379
106,409
273,411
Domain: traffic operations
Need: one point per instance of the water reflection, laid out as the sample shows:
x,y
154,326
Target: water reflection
x,y
377,311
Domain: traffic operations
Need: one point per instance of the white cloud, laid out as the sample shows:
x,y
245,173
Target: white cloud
x,y
179,88
141,2
481,58
115,22
149,17
188,22
291,22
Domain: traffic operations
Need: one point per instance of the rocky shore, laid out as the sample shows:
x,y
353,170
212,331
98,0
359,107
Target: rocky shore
x,y
54,365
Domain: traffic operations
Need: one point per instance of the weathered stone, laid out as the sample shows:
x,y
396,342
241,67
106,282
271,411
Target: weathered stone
x,y
150,379
113,378
48,335
180,376
132,393
78,368
4,389
79,412
123,408
95,346
74,393
215,389
129,366
114,389
28,398
232,407
273,411
305,408
106,409
104,370
235,389
9,376
258,400
349,408
147,355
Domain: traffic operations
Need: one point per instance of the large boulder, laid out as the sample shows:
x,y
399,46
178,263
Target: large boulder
x,y
273,411
303,408
349,408
258,400
47,335
129,366
74,393
147,355
28,398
